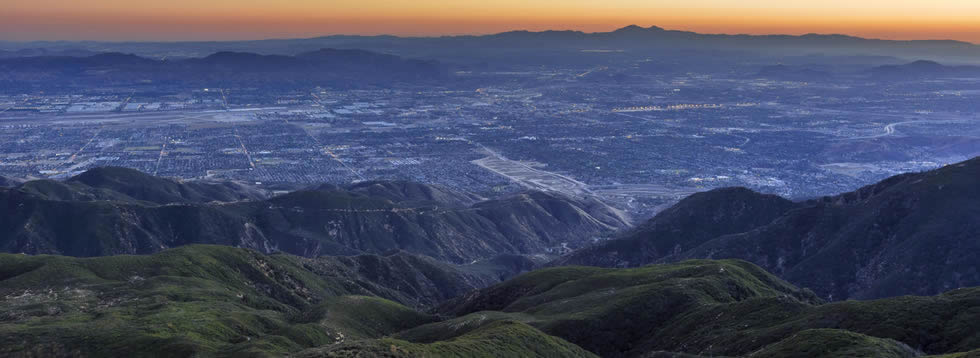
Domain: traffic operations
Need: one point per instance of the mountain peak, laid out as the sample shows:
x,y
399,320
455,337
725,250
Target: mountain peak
x,y
346,54
925,63
911,221
100,175
636,29
230,54
117,56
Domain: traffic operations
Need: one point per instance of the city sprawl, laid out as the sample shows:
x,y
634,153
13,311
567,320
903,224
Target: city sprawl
x,y
636,138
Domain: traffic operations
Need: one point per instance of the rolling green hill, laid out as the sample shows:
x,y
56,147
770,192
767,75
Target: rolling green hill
x,y
709,308
425,265
497,339
214,301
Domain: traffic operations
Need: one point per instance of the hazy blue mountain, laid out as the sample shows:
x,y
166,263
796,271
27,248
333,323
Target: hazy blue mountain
x,y
910,234
410,192
108,211
327,67
684,226
35,52
923,69
630,37
144,187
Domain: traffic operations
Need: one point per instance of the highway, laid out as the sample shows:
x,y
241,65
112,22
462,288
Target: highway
x,y
569,185
890,129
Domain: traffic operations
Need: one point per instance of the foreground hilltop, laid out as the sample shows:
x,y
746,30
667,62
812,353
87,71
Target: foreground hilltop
x,y
211,299
220,301
110,211
909,234
712,308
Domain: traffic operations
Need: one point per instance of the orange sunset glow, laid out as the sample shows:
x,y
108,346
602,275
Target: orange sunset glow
x,y
255,19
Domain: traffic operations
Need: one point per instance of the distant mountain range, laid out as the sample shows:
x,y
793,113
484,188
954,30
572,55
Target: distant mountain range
x,y
631,37
912,71
923,69
38,52
326,67
109,211
909,234
261,64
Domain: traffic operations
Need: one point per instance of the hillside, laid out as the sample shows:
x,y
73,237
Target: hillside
x,y
498,339
415,193
129,185
711,308
141,186
415,281
208,300
8,182
909,234
110,211
689,223
222,301
218,301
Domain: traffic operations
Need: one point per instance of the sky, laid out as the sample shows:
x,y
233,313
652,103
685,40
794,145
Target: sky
x,y
171,20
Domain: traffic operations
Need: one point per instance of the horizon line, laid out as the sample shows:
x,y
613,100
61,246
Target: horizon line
x,y
446,35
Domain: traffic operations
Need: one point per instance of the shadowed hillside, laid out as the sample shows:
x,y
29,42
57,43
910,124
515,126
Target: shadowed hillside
x,y
711,308
109,211
909,234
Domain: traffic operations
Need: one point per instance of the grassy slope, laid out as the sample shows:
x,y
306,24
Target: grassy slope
x,y
832,343
197,299
497,339
611,312
222,301
702,307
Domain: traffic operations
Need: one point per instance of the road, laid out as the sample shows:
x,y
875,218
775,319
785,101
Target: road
x,y
889,129
329,153
163,152
244,149
73,156
568,185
